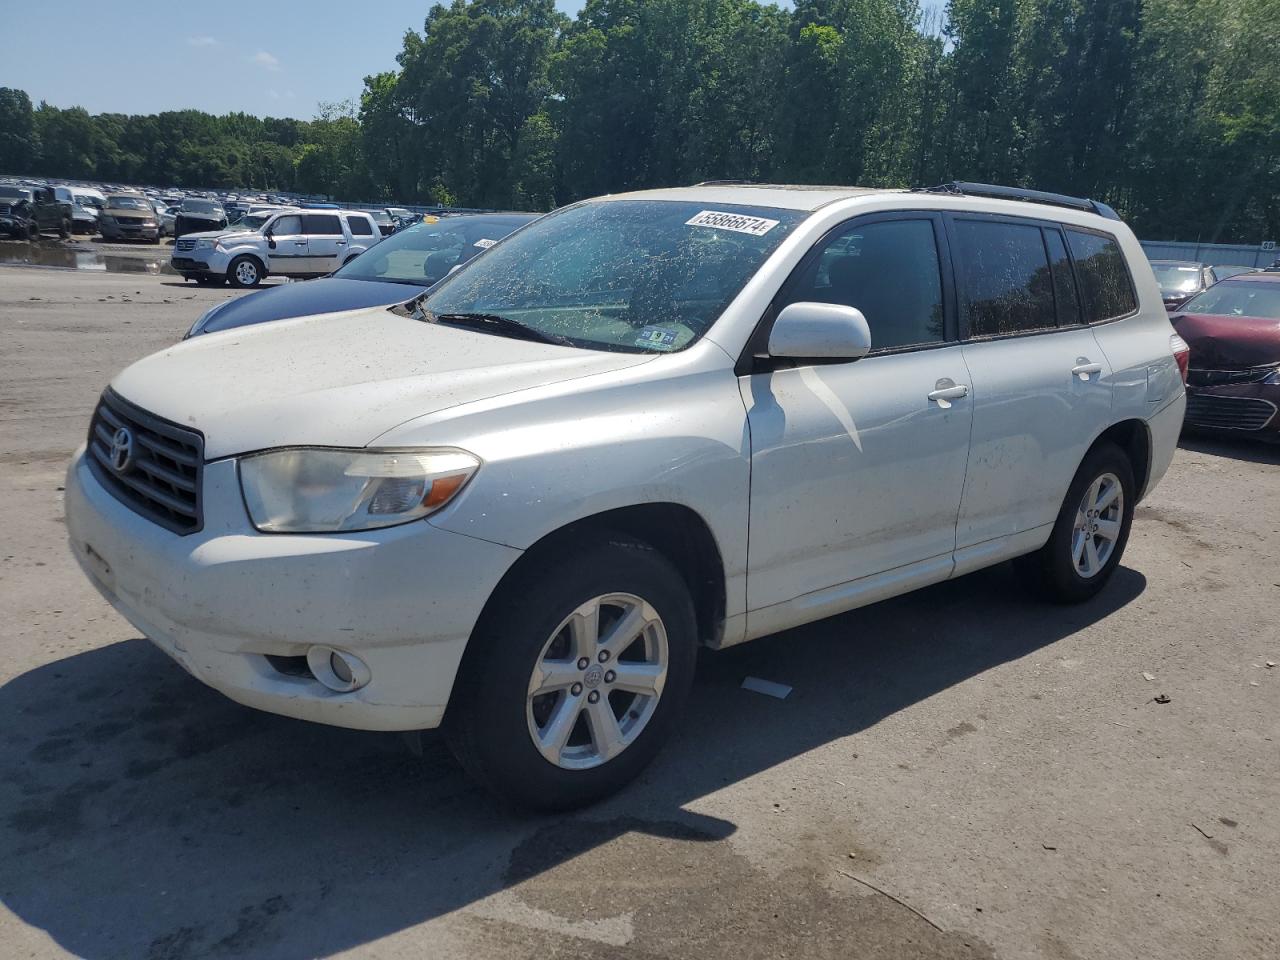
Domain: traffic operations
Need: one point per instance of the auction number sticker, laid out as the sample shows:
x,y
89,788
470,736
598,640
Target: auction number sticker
x,y
484,244
737,222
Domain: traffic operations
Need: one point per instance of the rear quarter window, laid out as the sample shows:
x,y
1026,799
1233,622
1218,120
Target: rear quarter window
x,y
1106,288
360,226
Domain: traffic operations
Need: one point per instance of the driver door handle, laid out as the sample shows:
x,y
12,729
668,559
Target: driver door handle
x,y
1084,368
946,390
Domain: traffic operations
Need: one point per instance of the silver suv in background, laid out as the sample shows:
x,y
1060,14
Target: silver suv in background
x,y
515,504
291,243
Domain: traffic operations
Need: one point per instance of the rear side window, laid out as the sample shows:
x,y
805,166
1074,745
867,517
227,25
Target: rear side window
x,y
1007,281
360,226
1064,284
321,224
1106,288
889,271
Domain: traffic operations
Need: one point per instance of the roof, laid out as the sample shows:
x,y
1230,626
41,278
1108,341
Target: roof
x,y
783,196
1272,276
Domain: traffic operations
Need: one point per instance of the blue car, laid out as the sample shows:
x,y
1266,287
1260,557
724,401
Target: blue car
x,y
416,257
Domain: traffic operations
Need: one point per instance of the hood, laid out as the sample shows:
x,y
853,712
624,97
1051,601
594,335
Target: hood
x,y
219,234
1229,342
192,215
326,295
340,379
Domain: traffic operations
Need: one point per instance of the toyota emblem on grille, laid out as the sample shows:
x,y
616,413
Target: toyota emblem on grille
x,y
121,450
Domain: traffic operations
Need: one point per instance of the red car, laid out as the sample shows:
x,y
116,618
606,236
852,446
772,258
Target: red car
x,y
1233,328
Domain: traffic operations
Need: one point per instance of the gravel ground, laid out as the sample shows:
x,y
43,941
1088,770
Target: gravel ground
x,y
958,773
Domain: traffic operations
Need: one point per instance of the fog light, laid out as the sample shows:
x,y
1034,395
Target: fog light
x,y
338,670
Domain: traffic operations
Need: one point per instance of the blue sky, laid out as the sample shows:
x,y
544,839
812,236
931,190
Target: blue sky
x,y
273,59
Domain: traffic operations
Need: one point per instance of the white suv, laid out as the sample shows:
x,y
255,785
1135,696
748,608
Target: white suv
x,y
515,504
292,243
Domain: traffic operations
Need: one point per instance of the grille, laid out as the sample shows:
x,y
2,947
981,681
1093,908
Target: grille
x,y
1198,377
129,221
160,476
1229,413
185,245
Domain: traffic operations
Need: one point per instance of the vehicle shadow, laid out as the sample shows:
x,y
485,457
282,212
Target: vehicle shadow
x,y
147,816
1237,448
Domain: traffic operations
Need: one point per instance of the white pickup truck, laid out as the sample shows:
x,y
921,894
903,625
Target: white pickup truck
x,y
292,243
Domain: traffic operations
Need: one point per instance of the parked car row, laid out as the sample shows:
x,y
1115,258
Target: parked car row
x,y
176,212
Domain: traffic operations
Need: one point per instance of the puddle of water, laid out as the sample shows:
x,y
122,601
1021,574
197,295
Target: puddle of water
x,y
78,258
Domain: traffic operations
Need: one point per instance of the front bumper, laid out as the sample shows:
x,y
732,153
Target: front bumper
x,y
403,599
1238,409
207,260
119,231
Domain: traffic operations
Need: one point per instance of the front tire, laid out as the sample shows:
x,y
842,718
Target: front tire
x,y
575,675
244,271
1090,533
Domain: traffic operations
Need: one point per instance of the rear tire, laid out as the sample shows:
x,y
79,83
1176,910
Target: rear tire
x,y
1090,533
535,624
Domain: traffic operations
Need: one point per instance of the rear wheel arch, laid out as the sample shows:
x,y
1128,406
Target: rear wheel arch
x,y
1133,436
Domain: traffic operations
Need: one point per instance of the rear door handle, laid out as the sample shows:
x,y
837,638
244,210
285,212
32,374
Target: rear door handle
x,y
946,390
342,243
1084,368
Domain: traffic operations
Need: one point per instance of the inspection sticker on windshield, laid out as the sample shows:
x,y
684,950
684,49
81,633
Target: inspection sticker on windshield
x,y
484,244
657,338
756,226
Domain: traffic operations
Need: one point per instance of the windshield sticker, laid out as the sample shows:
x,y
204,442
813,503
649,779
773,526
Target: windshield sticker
x,y
484,244
657,338
756,226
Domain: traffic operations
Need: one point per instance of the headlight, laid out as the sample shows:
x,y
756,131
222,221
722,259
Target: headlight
x,y
318,489
1273,378
148,223
204,244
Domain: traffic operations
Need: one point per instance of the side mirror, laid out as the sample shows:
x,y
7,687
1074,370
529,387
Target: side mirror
x,y
820,331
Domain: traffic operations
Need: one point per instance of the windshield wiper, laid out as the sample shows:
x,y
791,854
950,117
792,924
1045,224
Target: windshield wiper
x,y
495,323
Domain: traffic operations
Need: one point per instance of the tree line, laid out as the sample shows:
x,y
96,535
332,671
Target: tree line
x,y
1167,109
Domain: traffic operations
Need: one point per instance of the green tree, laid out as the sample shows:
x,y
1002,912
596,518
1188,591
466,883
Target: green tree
x,y
19,145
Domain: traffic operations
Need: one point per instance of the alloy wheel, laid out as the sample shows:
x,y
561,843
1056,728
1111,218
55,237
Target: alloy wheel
x,y
597,681
1099,519
246,273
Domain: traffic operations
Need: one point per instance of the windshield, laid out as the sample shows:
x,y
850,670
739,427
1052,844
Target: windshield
x,y
629,275
201,206
251,221
15,193
128,203
426,253
1241,298
1177,277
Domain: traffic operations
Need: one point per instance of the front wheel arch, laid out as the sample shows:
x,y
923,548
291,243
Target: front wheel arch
x,y
263,273
674,530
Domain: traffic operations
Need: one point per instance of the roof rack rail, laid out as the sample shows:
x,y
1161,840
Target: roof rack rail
x,y
726,183
966,188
